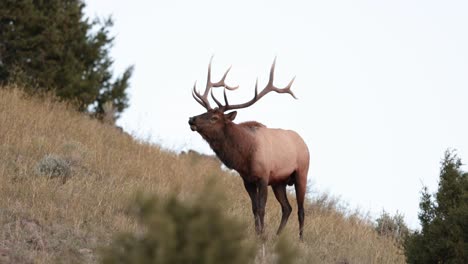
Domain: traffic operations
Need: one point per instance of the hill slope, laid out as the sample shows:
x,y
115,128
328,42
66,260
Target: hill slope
x,y
66,219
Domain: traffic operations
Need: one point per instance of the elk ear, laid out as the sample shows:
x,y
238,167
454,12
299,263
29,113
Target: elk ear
x,y
231,115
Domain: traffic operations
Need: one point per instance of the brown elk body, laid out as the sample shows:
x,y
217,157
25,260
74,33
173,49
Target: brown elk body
x,y
262,156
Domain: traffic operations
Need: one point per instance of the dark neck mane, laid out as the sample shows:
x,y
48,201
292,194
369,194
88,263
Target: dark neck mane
x,y
235,145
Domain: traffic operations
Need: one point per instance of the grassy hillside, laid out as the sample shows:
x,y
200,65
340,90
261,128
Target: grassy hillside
x,y
66,219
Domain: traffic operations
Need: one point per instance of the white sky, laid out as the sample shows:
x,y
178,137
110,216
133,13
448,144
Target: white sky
x,y
382,85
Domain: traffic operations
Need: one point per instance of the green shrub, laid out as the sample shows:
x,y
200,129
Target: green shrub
x,y
392,226
53,166
178,232
285,251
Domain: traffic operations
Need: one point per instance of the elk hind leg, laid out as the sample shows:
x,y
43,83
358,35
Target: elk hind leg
x,y
300,186
281,196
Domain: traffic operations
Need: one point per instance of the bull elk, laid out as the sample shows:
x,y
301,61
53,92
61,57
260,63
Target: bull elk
x,y
262,156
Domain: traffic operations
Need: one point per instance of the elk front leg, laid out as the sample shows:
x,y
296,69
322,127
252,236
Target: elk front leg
x,y
262,198
252,191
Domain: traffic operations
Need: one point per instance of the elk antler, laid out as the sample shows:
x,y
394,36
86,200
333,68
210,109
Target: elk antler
x,y
203,99
268,88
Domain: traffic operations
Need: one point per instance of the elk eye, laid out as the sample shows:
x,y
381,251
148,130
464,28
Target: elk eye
x,y
214,118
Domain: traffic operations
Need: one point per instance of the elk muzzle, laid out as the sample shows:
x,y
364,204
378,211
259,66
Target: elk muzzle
x,y
191,122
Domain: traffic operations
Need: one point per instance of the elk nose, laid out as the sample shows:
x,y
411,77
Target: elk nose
x,y
191,120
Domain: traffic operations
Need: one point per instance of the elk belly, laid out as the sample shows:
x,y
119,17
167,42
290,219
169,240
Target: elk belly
x,y
277,153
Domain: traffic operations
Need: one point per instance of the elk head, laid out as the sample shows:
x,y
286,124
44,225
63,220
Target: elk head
x,y
215,119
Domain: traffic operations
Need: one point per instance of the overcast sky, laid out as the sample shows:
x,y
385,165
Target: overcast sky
x,y
382,85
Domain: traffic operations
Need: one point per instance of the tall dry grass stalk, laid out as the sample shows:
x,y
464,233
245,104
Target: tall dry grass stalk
x,y
47,220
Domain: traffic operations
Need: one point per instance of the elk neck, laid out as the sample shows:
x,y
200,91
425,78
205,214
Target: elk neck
x,y
234,146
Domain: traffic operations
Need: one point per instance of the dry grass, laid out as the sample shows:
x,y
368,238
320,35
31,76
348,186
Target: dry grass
x,y
65,219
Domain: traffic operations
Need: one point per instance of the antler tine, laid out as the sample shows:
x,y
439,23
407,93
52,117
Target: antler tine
x,y
221,83
199,98
203,99
216,100
272,72
268,88
225,98
219,103
196,96
208,79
